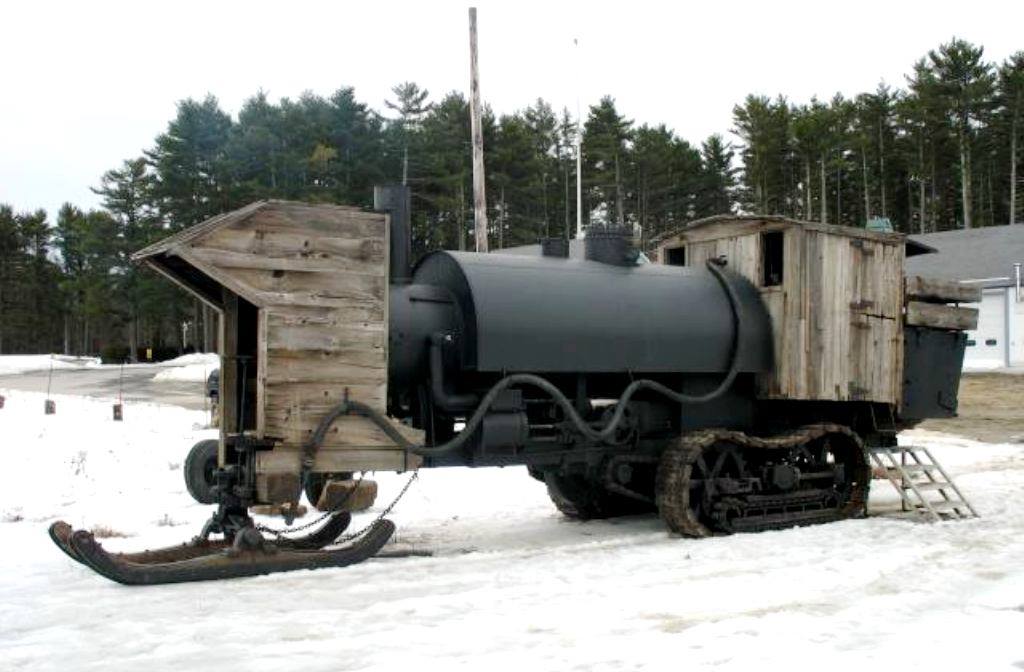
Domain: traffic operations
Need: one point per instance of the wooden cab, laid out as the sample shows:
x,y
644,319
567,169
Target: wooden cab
x,y
302,292
834,293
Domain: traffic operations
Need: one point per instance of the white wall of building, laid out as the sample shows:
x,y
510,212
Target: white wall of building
x,y
1017,357
999,339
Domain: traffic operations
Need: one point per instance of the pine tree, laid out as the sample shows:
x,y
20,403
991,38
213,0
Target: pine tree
x,y
543,125
657,196
967,83
445,171
565,154
34,232
928,107
517,167
256,149
356,137
1011,99
840,137
411,105
874,133
606,136
70,240
668,178
127,196
763,126
718,177
193,180
11,246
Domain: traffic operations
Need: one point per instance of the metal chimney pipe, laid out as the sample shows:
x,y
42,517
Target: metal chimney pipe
x,y
395,199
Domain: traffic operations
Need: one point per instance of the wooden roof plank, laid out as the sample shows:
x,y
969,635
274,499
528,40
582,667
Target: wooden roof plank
x,y
835,229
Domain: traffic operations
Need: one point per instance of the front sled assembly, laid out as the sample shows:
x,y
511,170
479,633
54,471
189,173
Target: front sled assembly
x,y
248,554
243,550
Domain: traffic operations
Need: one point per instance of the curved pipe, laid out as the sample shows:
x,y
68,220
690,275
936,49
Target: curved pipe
x,y
715,266
473,423
442,399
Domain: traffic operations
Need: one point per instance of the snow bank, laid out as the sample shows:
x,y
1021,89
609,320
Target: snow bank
x,y
195,373
512,585
189,368
210,359
14,364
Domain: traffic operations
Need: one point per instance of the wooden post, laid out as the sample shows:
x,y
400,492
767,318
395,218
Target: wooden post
x,y
479,195
227,394
462,214
209,321
579,150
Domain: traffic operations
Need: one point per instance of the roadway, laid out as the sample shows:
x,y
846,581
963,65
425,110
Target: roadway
x,y
135,383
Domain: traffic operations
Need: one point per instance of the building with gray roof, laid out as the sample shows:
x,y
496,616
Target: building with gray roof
x,y
990,257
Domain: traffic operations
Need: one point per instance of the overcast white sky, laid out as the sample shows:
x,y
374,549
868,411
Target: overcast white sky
x,y
87,84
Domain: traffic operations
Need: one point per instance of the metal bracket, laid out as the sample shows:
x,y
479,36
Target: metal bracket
x,y
863,304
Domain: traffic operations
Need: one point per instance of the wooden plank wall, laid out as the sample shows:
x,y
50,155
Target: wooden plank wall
x,y
320,275
837,316
853,310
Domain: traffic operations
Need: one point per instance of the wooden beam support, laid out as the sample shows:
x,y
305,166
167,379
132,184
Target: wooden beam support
x,y
938,316
933,290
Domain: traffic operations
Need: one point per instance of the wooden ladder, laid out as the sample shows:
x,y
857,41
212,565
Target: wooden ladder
x,y
914,477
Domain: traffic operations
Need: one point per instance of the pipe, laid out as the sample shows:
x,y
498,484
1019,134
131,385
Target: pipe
x,y
442,399
394,199
473,423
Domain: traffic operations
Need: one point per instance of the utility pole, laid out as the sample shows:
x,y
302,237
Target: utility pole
x,y
479,195
579,148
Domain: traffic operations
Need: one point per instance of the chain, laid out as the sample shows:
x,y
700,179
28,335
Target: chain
x,y
322,517
386,511
353,535
297,528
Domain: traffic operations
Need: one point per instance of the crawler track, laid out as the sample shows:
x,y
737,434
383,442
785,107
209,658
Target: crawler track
x,y
714,481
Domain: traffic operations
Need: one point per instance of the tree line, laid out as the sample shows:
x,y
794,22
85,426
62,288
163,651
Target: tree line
x,y
941,153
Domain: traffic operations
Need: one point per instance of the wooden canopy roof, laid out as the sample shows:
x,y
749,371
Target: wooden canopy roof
x,y
202,258
913,247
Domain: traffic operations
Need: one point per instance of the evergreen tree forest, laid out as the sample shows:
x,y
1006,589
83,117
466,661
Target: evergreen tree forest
x,y
940,152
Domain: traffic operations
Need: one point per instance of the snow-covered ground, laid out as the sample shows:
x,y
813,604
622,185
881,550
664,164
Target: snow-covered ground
x,y
13,364
511,586
192,368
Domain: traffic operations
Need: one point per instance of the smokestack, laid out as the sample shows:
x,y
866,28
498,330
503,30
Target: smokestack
x,y
395,199
610,244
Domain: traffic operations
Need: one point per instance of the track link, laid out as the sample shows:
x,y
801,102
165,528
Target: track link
x,y
676,477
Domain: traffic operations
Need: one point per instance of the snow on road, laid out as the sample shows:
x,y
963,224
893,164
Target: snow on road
x,y
511,586
14,364
192,368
